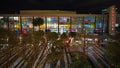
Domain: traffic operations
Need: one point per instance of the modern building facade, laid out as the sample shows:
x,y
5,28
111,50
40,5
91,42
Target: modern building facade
x,y
55,21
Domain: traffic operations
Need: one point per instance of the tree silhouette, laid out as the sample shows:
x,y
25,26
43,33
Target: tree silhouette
x,y
113,50
38,22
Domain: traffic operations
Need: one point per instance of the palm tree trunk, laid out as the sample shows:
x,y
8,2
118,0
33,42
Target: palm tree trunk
x,y
53,64
62,64
66,55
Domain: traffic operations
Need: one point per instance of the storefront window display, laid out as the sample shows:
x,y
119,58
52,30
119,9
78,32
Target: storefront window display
x,y
52,24
27,24
4,22
1,22
99,24
76,24
64,24
58,24
89,23
14,23
105,29
17,25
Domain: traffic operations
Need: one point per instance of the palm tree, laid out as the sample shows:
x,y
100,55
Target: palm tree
x,y
32,44
56,50
64,37
38,22
79,61
56,53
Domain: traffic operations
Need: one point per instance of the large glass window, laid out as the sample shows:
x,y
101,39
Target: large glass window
x,y
2,24
105,29
99,24
52,24
14,23
11,22
99,21
64,24
93,24
89,23
76,24
27,24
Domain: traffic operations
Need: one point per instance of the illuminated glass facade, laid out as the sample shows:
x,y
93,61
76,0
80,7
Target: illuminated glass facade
x,y
89,24
52,24
58,24
4,22
64,24
26,23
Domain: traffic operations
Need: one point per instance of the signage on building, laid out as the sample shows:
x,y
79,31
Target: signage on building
x,y
112,18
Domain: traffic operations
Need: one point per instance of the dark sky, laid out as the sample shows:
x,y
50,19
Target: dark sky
x,y
81,6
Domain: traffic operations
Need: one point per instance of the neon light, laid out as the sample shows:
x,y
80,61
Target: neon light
x,y
113,14
113,22
112,28
112,25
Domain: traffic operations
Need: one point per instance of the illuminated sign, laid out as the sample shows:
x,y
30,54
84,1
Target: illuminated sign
x,y
112,17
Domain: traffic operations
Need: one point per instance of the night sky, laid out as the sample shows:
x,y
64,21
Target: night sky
x,y
81,6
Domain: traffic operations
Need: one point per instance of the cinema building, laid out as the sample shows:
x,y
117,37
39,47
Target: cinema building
x,y
59,21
